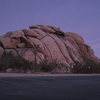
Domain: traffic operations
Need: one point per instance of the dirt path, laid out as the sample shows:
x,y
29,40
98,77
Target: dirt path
x,y
42,74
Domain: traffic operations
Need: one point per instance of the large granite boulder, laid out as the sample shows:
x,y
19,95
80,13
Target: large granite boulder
x,y
48,44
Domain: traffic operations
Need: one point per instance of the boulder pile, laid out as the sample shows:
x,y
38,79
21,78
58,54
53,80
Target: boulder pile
x,y
48,44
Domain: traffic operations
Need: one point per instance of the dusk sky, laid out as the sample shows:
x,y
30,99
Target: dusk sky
x,y
79,16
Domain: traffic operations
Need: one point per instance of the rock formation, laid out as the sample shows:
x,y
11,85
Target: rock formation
x,y
46,43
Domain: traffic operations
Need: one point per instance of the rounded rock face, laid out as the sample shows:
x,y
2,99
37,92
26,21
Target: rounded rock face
x,y
46,43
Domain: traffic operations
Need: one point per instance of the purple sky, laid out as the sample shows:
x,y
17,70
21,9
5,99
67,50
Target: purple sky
x,y
80,16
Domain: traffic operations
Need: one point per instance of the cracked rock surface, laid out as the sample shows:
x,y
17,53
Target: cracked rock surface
x,y
46,43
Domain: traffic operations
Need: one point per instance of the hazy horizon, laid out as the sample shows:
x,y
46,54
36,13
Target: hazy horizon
x,y
79,16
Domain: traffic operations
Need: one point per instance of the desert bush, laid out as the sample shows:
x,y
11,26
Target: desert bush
x,y
8,60
1,67
48,66
81,69
53,67
95,68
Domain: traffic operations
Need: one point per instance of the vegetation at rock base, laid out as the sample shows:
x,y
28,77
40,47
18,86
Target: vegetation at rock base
x,y
8,60
19,64
92,68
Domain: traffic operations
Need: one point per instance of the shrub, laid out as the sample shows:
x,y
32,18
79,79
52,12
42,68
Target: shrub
x,y
86,69
8,60
81,69
53,67
48,66
95,68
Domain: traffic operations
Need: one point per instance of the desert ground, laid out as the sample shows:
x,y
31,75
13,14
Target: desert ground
x,y
49,86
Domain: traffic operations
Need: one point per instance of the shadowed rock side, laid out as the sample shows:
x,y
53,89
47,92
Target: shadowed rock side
x,y
46,43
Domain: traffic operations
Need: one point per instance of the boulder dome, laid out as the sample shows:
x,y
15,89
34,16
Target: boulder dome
x,y
46,43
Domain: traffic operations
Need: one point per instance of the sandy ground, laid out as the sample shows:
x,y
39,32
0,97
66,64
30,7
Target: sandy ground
x,y
42,74
45,86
